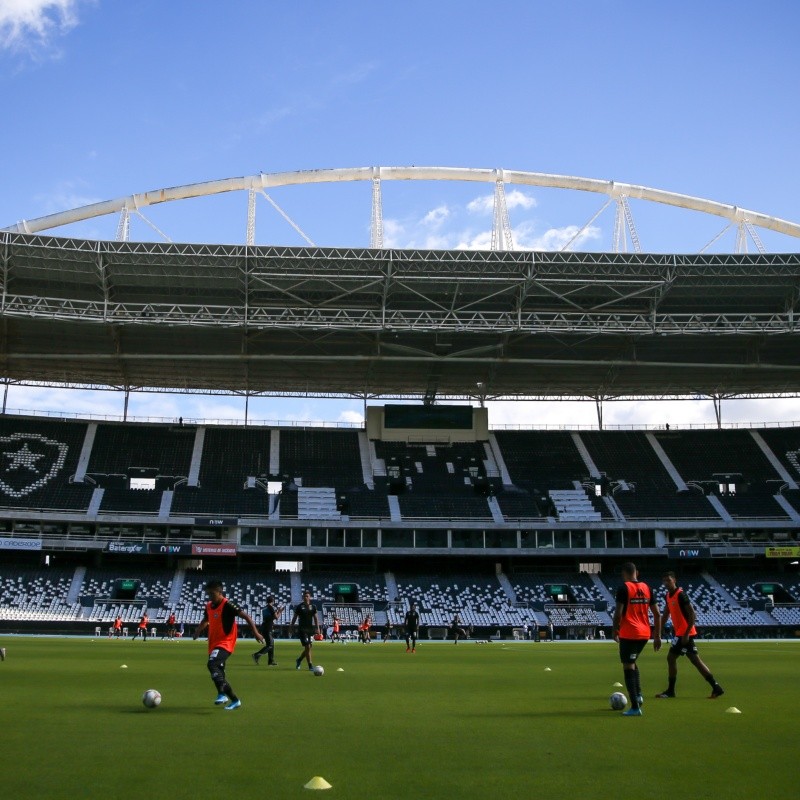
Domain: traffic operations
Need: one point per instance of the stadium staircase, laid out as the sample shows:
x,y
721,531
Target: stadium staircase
x,y
75,587
365,451
494,453
86,452
297,588
774,460
391,586
275,452
720,589
587,458
507,587
197,456
178,580
603,590
95,502
165,507
680,483
494,508
394,508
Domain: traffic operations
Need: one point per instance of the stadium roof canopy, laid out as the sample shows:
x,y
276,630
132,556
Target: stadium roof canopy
x,y
397,323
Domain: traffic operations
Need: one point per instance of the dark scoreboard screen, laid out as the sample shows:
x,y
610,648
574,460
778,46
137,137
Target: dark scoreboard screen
x,y
428,417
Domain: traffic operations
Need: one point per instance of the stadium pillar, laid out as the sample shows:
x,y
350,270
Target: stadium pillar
x,y
246,407
5,397
598,401
125,407
717,399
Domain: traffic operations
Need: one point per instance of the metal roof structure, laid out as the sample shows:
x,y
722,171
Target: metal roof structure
x,y
396,323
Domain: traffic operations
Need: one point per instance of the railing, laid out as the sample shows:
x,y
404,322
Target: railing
x,y
317,423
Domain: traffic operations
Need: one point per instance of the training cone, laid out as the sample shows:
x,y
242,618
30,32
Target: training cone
x,y
547,669
317,783
124,666
617,685
732,710
340,670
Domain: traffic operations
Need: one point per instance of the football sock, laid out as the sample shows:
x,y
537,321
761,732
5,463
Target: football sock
x,y
671,687
630,684
638,681
710,680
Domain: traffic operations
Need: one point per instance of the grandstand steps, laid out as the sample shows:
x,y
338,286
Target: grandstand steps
x,y
86,452
603,589
378,465
394,508
75,587
165,508
719,508
493,451
611,505
178,580
317,503
572,505
296,584
680,483
275,506
197,456
585,455
720,589
275,452
787,507
503,580
489,463
94,503
773,459
367,468
391,586
494,508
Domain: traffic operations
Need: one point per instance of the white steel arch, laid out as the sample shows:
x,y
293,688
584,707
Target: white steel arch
x,y
614,190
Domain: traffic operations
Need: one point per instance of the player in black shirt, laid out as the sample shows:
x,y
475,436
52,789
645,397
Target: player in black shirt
x,y
411,624
456,629
305,616
271,614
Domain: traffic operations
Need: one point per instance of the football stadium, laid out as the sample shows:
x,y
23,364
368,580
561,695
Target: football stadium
x,y
508,537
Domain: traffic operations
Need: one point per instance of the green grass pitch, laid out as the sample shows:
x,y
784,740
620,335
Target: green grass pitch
x,y
473,721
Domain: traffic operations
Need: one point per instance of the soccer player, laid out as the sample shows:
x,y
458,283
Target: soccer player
x,y
141,630
306,614
2,654
387,631
364,629
171,621
679,608
456,629
411,624
117,627
632,631
271,613
336,636
219,617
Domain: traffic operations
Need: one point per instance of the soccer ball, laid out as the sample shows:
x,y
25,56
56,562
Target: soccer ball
x,y
151,698
319,671
617,701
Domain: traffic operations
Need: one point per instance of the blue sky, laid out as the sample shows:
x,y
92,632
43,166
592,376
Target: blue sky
x,y
104,99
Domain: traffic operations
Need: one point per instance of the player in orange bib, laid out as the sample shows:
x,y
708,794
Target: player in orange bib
x,y
635,603
219,618
141,629
117,629
680,609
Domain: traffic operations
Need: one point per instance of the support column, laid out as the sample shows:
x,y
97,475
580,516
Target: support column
x,y
5,396
598,401
127,400
717,399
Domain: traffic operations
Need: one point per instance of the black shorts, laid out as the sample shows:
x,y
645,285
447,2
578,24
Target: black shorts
x,y
679,649
629,649
217,658
306,638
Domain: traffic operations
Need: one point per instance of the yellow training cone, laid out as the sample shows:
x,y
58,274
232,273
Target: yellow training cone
x,y
617,685
317,783
547,669
732,710
124,666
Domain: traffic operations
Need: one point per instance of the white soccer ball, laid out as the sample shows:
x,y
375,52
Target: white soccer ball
x,y
617,701
319,671
151,698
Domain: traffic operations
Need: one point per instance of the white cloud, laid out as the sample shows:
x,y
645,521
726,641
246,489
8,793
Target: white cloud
x,y
514,199
436,216
33,24
526,238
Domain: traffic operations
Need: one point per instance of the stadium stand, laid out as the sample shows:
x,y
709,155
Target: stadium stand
x,y
36,594
321,458
639,482
39,458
